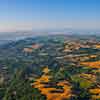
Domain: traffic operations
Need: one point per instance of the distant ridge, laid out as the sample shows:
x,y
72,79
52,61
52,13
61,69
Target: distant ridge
x,y
33,33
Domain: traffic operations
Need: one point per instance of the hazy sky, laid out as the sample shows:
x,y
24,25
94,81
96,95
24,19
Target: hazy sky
x,y
47,14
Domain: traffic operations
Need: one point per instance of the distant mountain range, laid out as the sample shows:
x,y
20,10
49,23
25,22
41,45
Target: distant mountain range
x,y
24,34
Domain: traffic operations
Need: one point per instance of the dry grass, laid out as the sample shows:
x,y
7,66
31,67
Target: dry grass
x,y
95,64
57,94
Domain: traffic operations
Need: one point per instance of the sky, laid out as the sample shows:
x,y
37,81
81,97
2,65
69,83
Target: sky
x,y
18,15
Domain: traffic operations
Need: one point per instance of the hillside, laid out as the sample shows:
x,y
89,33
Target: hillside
x,y
55,67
